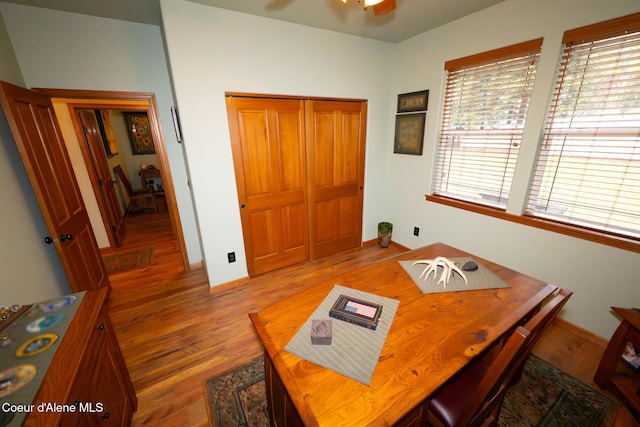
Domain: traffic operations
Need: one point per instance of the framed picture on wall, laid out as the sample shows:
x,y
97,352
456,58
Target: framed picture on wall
x,y
413,101
139,133
409,133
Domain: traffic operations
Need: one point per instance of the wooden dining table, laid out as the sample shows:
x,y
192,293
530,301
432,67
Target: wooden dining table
x,y
432,337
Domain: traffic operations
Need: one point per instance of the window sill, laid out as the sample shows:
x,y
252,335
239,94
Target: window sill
x,y
573,231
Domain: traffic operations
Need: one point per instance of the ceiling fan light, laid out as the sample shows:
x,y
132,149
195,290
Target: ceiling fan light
x,y
384,7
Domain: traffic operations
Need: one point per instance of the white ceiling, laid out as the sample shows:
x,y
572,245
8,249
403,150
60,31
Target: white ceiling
x,y
411,17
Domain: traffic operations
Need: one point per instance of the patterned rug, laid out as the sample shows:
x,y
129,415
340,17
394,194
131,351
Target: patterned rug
x,y
127,260
544,396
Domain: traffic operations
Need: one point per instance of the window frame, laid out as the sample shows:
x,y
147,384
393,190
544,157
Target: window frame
x,y
610,27
591,33
544,224
496,149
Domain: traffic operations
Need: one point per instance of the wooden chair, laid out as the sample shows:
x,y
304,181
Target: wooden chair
x,y
540,322
475,396
138,199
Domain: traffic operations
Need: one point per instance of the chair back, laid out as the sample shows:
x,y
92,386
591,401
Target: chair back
x,y
484,406
540,322
474,398
123,179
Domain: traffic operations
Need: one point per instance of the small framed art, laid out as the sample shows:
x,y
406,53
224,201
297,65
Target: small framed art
x,y
631,356
413,101
139,133
409,133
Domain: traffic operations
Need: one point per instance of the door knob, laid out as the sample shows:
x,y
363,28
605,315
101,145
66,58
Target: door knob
x,y
67,236
49,240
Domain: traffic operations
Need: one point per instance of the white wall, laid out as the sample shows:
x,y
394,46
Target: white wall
x,y
601,276
214,50
66,50
9,69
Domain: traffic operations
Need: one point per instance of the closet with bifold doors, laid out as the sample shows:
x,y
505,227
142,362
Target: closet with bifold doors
x,y
299,168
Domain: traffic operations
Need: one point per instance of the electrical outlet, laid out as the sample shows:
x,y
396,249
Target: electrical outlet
x,y
416,231
231,256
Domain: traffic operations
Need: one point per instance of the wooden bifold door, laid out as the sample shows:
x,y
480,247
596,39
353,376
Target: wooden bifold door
x,y
299,167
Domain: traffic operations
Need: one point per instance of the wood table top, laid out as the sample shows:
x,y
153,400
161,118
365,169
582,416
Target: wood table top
x,y
630,315
432,337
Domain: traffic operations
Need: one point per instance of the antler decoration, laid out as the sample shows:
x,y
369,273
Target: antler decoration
x,y
448,267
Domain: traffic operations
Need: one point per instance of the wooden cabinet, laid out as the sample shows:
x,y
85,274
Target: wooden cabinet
x,y
612,373
87,372
299,168
154,174
335,139
269,161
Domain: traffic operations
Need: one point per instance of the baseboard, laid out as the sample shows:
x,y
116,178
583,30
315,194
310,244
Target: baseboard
x,y
196,266
580,332
106,251
374,242
227,286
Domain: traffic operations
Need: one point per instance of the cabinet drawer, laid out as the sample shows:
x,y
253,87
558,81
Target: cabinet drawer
x,y
115,407
84,383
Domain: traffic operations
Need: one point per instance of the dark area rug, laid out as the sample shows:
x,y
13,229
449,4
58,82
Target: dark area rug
x,y
239,398
544,396
127,260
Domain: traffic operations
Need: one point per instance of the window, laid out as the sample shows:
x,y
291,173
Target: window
x,y
588,170
485,107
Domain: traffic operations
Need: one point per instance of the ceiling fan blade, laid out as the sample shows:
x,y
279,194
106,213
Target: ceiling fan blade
x,y
384,7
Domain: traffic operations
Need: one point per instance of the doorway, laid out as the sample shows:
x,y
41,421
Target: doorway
x,y
100,147
69,102
106,145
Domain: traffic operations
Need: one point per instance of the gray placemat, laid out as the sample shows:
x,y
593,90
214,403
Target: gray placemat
x,y
354,350
482,278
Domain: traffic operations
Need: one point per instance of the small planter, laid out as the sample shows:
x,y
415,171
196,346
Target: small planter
x,y
385,230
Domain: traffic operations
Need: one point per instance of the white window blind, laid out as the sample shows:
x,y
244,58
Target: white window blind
x,y
588,171
485,107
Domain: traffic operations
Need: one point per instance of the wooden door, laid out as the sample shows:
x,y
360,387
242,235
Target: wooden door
x,y
101,178
335,140
269,158
35,129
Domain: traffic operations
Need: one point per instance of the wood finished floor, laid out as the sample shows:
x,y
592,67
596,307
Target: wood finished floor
x,y
175,333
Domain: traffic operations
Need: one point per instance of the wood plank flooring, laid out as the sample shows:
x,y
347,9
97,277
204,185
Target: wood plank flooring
x,y
175,332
